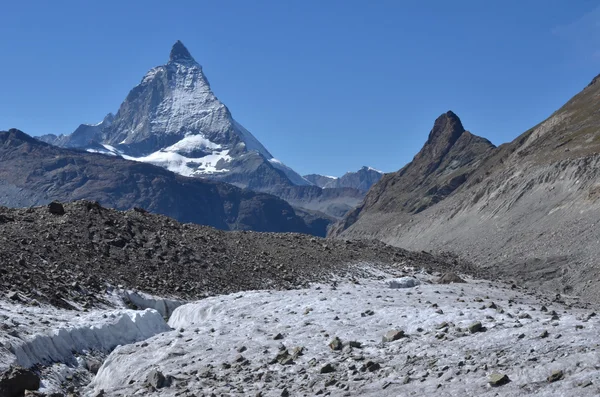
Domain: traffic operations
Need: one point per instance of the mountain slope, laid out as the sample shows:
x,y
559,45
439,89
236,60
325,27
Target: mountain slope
x,y
33,173
174,120
529,211
362,179
450,155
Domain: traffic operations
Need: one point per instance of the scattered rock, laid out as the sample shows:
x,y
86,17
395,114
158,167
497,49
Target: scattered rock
x,y
56,208
476,327
450,277
93,365
393,335
556,375
404,282
336,344
156,379
278,337
16,380
327,369
497,379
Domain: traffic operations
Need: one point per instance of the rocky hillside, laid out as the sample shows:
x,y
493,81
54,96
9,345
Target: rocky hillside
x,y
34,173
70,254
527,209
448,158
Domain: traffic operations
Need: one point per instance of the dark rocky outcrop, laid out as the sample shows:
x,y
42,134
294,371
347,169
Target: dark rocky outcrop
x,y
15,381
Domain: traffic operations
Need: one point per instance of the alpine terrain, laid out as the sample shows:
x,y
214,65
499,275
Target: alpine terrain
x,y
526,210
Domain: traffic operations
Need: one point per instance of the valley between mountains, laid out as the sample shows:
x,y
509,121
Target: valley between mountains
x,y
166,252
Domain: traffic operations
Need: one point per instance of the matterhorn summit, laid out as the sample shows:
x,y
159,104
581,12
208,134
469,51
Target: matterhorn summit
x,y
173,119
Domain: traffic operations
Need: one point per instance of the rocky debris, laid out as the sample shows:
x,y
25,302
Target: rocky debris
x,y
15,381
283,358
336,344
497,379
476,327
93,365
56,208
393,335
450,277
556,375
72,260
157,380
327,369
404,282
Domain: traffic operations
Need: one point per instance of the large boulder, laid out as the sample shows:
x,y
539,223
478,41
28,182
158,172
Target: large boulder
x,y
15,381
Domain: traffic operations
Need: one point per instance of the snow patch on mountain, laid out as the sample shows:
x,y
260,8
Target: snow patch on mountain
x,y
186,166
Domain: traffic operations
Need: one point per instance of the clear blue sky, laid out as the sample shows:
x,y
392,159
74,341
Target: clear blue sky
x,y
326,85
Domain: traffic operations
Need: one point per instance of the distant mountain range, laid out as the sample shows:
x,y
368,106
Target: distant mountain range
x,y
172,119
361,180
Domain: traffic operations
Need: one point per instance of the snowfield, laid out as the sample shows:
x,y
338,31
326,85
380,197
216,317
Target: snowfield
x,y
278,343
376,335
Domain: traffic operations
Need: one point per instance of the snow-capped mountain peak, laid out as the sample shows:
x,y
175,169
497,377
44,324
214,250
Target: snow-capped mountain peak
x,y
173,119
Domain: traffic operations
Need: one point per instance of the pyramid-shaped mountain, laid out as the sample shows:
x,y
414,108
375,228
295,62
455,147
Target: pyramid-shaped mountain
x,y
173,119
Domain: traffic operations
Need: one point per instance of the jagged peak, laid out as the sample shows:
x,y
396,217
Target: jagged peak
x,y
179,53
446,125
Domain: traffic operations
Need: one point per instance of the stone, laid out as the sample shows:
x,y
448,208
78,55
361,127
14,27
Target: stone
x,y
278,337
355,344
327,369
393,335
476,327
404,282
56,208
450,277
93,365
371,366
336,344
16,380
156,379
497,379
556,375
13,295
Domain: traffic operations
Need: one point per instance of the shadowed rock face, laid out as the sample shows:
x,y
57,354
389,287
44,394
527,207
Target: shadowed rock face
x,y
527,210
33,173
